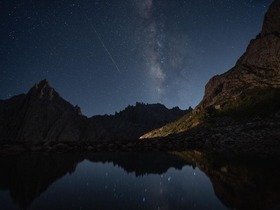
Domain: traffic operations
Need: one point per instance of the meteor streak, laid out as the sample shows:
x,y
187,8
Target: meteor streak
x,y
105,48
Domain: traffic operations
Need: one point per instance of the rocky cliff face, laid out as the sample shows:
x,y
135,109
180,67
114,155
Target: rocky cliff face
x,y
39,116
258,67
251,87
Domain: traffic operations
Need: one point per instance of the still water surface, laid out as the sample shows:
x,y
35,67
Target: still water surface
x,y
185,180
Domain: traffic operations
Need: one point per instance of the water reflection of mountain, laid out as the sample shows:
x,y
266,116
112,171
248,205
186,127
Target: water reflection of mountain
x,y
141,163
245,183
27,176
238,184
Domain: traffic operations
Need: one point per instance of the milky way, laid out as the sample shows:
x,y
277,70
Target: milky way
x,y
161,51
104,55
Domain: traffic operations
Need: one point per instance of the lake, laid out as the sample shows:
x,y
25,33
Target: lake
x,y
173,180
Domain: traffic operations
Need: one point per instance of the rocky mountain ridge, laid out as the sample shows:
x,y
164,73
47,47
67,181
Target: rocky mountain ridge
x,y
258,67
42,116
251,88
130,123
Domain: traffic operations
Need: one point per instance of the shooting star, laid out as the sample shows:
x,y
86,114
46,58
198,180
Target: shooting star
x,y
106,49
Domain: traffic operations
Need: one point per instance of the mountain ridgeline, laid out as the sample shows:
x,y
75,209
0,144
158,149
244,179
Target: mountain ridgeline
x,y
42,116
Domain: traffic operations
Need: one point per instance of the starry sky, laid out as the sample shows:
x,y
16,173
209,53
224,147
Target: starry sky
x,y
105,54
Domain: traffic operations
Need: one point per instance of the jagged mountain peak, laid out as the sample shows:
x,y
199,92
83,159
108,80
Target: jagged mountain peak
x,y
43,90
41,115
271,23
43,84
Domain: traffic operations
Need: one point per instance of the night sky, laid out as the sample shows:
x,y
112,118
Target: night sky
x,y
106,54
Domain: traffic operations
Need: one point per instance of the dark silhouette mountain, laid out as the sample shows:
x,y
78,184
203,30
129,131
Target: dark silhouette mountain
x,y
130,123
247,97
42,116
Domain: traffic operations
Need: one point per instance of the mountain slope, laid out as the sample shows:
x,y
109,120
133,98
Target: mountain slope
x,y
251,89
258,67
130,123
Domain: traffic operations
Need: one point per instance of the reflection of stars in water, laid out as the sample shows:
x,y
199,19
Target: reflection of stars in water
x,y
171,190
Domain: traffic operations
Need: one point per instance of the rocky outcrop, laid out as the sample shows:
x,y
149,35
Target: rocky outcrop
x,y
272,19
258,67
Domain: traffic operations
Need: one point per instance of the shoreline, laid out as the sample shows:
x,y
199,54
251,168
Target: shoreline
x,y
149,145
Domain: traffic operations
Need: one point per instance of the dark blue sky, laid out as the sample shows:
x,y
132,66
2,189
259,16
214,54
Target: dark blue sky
x,y
104,55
